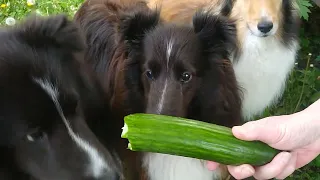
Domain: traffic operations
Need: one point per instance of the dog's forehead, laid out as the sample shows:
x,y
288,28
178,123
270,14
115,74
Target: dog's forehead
x,y
168,41
24,66
21,62
30,89
25,103
168,33
18,86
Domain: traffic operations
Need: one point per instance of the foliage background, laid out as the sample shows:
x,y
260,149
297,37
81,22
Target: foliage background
x,y
303,86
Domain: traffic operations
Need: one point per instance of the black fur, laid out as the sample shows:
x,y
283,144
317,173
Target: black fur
x,y
134,25
291,23
210,27
227,7
48,49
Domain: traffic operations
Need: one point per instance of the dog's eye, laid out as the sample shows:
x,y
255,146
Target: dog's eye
x,y
185,77
149,74
35,135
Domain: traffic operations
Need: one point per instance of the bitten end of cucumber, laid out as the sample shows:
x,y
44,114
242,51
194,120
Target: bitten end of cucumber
x,y
129,146
124,133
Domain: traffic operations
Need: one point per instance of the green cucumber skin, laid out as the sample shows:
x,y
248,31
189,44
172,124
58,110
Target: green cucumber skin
x,y
200,140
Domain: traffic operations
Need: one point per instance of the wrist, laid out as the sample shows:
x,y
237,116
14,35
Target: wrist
x,y
317,121
310,117
315,113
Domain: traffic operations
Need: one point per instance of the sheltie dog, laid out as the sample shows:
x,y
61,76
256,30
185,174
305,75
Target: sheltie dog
x,y
267,33
155,67
48,99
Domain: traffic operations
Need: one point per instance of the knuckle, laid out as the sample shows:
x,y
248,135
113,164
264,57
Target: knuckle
x,y
282,132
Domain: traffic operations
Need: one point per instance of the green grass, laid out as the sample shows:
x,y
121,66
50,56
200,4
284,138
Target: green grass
x,y
18,9
303,86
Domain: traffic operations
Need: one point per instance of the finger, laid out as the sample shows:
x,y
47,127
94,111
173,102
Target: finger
x,y
241,172
267,130
275,167
212,165
290,168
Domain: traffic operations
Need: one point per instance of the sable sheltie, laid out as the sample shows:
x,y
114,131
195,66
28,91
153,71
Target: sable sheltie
x,y
48,99
162,68
267,33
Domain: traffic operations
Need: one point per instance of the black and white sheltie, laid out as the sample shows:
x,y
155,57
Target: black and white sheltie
x,y
47,100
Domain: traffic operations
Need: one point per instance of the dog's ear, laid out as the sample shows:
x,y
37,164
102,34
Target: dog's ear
x,y
134,25
220,100
56,31
217,33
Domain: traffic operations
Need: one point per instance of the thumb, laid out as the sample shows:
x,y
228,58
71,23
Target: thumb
x,y
269,130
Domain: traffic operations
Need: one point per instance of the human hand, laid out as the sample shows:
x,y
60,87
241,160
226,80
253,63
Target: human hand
x,y
298,133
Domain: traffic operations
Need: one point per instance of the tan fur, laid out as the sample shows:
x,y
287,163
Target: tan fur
x,y
181,11
245,12
248,13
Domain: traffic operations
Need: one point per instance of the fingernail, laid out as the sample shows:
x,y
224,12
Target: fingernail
x,y
239,130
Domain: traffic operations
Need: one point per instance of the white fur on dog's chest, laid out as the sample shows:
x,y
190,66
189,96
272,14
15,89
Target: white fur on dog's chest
x,y
169,167
261,71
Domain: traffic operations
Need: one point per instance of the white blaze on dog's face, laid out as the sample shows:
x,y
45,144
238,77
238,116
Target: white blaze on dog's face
x,y
97,164
261,17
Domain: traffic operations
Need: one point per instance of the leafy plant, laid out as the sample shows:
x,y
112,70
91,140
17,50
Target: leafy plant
x,y
304,6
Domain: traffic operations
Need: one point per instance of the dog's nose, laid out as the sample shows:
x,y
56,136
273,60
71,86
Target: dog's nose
x,y
265,26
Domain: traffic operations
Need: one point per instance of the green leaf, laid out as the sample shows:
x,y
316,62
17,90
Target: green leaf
x,y
304,6
304,12
306,3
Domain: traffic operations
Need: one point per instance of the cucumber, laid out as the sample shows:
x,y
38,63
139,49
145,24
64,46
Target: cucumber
x,y
192,138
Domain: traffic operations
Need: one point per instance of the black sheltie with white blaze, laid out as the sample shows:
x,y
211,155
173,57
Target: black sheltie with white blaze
x,y
50,104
